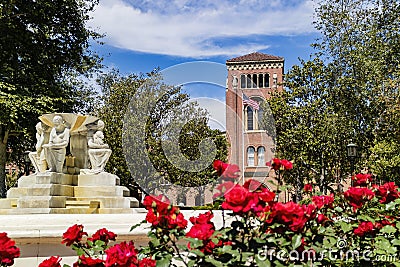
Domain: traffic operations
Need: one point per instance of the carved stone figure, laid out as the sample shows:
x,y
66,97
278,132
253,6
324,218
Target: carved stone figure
x,y
78,148
99,152
38,158
55,150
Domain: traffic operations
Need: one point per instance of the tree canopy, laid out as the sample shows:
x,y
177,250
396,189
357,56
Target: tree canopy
x,y
157,135
348,91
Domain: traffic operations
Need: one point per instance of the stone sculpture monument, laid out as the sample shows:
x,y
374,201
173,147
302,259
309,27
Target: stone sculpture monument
x,y
69,176
55,150
38,157
99,152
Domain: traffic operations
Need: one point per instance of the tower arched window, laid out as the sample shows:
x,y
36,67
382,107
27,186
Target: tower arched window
x,y
248,82
261,156
260,80
243,81
250,118
250,156
266,80
254,83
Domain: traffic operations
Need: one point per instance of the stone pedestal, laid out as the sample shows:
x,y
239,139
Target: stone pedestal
x,y
68,194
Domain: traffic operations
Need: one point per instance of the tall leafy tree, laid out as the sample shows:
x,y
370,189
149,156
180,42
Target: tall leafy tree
x,y
347,91
160,129
45,52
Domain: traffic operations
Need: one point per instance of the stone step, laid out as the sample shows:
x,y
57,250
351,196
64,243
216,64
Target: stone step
x,y
8,203
111,202
56,178
41,190
27,181
100,179
82,203
115,211
72,210
41,202
103,191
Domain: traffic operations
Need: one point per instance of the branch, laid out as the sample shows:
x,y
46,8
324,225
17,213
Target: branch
x,y
5,138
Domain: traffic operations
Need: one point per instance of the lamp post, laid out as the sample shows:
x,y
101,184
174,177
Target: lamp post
x,y
352,154
27,162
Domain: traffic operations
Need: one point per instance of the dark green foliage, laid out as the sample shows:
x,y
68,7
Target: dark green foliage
x,y
347,92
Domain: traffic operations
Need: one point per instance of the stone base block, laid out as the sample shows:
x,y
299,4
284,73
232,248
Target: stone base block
x,y
41,190
103,178
41,202
115,211
27,181
111,202
101,191
55,178
8,203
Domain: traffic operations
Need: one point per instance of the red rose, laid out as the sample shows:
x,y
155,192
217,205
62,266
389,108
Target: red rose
x,y
266,195
122,255
51,262
321,218
223,188
104,235
226,170
73,234
364,228
238,199
175,219
361,179
253,185
323,201
201,231
287,165
146,262
88,262
358,195
275,163
163,215
290,214
307,188
387,192
202,218
160,202
310,211
8,250
259,192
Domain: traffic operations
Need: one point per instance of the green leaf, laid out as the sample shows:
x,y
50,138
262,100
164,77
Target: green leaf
x,y
338,209
388,229
390,205
164,262
137,225
346,227
296,241
214,262
261,262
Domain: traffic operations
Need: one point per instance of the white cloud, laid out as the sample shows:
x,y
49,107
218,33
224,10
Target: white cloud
x,y
200,28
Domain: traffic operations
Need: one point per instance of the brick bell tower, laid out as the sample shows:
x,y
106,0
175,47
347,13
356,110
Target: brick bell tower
x,y
251,79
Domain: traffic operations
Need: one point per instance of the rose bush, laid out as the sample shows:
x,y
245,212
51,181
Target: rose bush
x,y
359,227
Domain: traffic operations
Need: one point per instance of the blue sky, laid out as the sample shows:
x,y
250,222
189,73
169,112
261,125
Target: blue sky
x,y
145,34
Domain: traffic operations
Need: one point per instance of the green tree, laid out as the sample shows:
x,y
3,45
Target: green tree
x,y
347,89
45,55
154,130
